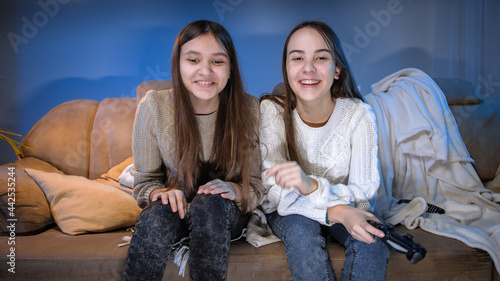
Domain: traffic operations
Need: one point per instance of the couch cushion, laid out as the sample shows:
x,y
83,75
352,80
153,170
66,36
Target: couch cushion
x,y
111,138
54,256
115,172
31,207
80,205
62,136
459,92
157,85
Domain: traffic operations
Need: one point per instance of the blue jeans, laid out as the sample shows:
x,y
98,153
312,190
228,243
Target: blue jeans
x,y
307,256
213,222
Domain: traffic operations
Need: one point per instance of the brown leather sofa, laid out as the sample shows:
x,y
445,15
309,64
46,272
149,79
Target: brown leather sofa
x,y
92,140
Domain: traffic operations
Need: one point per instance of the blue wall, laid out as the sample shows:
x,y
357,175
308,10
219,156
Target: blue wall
x,y
53,51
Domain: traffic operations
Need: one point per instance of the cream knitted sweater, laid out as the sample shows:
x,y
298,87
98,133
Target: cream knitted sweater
x,y
341,156
153,146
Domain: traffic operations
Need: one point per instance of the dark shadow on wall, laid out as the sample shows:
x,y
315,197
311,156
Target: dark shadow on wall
x,y
432,66
8,87
404,58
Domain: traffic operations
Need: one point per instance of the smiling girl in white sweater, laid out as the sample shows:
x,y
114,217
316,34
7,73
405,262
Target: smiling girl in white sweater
x,y
320,167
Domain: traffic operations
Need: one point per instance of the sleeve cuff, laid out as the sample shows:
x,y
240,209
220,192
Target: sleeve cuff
x,y
315,196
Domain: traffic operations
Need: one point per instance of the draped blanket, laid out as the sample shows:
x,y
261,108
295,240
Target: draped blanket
x,y
424,159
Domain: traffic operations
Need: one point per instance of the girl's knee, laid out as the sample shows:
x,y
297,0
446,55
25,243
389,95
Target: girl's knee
x,y
209,216
301,225
157,212
373,251
301,230
208,204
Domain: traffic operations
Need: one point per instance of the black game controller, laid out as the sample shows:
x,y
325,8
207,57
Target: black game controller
x,y
403,244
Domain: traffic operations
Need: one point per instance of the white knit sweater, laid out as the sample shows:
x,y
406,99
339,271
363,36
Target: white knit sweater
x,y
341,156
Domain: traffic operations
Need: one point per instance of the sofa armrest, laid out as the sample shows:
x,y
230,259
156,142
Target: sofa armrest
x,y
24,200
479,127
494,185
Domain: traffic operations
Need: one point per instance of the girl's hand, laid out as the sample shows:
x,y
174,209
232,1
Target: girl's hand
x,y
174,197
227,190
290,174
355,221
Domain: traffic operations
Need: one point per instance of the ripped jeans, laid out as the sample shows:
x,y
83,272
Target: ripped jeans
x,y
212,222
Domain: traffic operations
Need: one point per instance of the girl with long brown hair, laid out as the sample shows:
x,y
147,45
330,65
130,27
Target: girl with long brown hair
x,y
197,159
320,167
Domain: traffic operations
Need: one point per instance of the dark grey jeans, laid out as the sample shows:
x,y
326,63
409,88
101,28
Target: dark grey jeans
x,y
211,223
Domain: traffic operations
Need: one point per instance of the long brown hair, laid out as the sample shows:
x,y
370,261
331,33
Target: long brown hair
x,y
344,87
234,126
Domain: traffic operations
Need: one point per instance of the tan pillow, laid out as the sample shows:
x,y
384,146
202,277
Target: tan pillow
x,y
31,207
80,205
115,172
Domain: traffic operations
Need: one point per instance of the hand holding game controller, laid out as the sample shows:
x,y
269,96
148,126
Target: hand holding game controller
x,y
403,244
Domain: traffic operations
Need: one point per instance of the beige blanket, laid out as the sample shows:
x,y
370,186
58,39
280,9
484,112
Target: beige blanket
x,y
423,158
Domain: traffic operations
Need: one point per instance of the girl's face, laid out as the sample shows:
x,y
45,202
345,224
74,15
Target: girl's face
x,y
310,66
205,70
